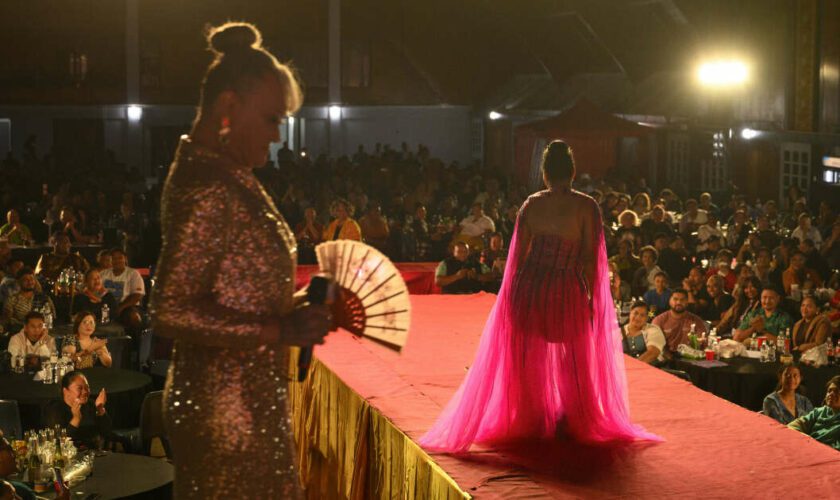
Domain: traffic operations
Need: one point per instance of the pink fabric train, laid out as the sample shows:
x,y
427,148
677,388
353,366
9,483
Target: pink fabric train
x,y
546,355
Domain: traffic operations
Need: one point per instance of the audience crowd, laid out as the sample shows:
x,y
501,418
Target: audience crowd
x,y
680,261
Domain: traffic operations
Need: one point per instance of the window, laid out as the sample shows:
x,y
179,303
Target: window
x,y
795,167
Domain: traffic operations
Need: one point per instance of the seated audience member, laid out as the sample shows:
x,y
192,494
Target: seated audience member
x,y
11,490
804,230
823,423
74,228
625,261
814,260
29,298
619,289
128,289
458,274
738,231
785,404
812,329
694,284
747,299
655,224
103,259
676,323
763,265
34,339
495,257
659,297
715,301
831,248
94,296
628,228
51,264
641,339
766,321
692,218
309,234
707,232
422,233
644,278
798,274
674,260
87,422
14,231
9,283
767,236
374,227
475,226
85,349
723,267
342,227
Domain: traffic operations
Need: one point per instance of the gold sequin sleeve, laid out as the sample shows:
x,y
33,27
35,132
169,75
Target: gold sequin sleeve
x,y
196,225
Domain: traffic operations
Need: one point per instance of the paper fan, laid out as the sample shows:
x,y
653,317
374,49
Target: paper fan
x,y
372,298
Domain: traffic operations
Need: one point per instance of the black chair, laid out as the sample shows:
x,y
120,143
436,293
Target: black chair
x,y
10,419
139,440
678,373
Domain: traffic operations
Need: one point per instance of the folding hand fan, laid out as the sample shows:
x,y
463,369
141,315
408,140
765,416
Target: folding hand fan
x,y
372,298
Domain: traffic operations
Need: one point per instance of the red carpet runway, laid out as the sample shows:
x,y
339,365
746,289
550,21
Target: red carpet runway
x,y
713,449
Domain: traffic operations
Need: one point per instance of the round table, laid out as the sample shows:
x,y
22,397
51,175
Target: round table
x,y
746,381
120,475
125,390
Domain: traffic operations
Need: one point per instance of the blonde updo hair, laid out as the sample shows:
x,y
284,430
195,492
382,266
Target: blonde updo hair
x,y
240,60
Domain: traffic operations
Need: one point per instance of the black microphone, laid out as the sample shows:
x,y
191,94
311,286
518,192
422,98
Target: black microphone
x,y
320,291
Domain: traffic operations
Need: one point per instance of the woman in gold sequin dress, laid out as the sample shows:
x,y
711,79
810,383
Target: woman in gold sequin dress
x,y
225,284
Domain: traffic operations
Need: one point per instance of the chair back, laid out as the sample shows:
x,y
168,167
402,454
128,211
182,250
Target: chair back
x,y
10,419
151,422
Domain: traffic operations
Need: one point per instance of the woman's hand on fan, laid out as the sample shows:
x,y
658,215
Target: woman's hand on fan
x,y
306,326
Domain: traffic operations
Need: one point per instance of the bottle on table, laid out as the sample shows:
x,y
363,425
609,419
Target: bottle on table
x,y
771,352
106,314
58,455
754,342
765,352
62,492
692,337
33,462
837,354
829,351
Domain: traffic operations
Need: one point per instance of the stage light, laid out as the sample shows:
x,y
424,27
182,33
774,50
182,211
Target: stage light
x,y
749,133
134,112
493,115
335,112
723,73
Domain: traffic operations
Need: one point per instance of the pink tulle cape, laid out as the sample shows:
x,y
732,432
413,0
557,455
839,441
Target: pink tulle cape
x,y
547,356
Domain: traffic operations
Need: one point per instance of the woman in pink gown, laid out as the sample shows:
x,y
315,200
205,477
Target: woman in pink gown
x,y
550,357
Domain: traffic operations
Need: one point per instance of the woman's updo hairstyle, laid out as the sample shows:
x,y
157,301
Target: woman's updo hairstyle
x,y
557,163
240,60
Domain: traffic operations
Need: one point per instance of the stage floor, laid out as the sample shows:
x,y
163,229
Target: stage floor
x,y
713,448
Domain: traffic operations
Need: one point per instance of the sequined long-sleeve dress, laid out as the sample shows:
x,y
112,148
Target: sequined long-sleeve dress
x,y
226,266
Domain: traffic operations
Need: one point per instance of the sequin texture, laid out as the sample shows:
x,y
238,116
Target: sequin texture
x,y
226,266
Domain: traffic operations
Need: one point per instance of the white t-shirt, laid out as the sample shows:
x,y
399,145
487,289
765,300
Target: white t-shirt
x,y
19,345
127,283
653,337
475,227
813,235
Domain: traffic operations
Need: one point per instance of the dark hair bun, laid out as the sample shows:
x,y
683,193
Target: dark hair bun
x,y
232,37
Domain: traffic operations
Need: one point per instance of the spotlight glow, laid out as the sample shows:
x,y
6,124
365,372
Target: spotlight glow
x,y
723,73
493,115
335,112
134,112
749,133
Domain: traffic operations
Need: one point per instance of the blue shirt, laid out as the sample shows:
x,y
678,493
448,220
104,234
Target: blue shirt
x,y
775,409
657,301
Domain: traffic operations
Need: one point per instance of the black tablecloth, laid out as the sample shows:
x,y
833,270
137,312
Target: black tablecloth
x,y
746,381
30,255
125,390
118,475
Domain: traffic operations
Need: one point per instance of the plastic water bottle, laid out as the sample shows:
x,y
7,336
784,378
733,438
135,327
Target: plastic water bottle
x,y
105,314
754,342
780,343
771,352
765,352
